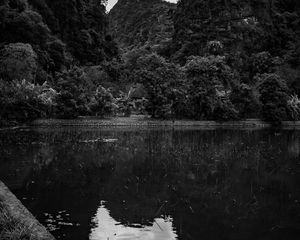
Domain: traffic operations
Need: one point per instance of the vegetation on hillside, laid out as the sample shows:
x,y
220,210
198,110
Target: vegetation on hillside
x,y
138,23
204,60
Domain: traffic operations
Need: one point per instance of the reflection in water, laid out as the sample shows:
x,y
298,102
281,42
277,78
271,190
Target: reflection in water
x,y
108,228
216,184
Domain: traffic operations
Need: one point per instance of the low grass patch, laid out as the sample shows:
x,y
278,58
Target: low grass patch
x,y
12,229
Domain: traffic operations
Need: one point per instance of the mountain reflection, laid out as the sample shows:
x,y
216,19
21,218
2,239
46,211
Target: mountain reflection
x,y
107,228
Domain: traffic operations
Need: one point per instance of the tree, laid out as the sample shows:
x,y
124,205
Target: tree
x,y
163,82
103,102
82,26
245,100
23,101
18,61
21,24
209,81
274,97
294,107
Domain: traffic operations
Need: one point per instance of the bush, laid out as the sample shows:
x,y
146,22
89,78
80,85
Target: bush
x,y
22,101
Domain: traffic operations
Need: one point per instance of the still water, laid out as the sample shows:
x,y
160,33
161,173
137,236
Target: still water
x,y
126,184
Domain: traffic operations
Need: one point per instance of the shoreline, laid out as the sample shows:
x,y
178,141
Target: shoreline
x,y
19,218
142,121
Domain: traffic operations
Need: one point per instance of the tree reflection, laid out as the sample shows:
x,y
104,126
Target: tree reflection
x,y
108,228
216,184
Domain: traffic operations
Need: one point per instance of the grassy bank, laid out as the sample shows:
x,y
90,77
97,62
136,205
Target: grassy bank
x,y
16,222
11,228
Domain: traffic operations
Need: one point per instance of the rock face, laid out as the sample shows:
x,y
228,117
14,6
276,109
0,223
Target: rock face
x,y
136,23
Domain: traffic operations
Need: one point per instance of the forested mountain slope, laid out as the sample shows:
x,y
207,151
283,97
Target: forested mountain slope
x,y
82,24
136,23
199,59
79,27
243,25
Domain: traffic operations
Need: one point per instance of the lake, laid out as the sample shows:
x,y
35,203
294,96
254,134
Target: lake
x,y
160,184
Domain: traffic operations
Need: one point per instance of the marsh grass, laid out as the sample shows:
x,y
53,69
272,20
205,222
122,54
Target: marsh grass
x,y
12,229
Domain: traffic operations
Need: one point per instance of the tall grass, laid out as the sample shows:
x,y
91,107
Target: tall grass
x,y
12,229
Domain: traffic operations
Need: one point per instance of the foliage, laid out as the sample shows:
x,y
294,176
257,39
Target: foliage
x,y
198,22
290,69
274,97
136,23
261,63
293,105
57,52
18,61
224,110
78,95
23,101
74,93
213,68
208,79
19,23
82,25
103,102
245,100
229,52
163,83
215,48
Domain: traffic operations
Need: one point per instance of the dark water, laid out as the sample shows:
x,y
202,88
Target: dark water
x,y
157,184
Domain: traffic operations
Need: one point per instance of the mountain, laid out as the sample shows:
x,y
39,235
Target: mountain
x,y
81,24
136,23
250,26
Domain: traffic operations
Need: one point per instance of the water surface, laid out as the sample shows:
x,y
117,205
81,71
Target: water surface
x,y
101,184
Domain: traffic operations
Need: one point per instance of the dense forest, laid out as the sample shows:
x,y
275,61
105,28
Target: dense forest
x,y
197,59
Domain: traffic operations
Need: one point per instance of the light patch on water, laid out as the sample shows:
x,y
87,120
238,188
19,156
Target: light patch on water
x,y
108,228
101,140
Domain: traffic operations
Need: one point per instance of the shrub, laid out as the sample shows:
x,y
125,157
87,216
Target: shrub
x,y
23,101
